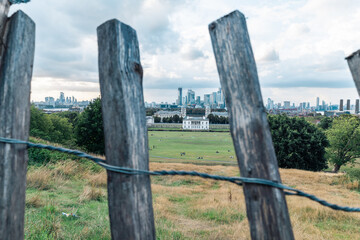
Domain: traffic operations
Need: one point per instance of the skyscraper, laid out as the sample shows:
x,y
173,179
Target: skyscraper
x,y
62,98
341,108
206,99
190,97
317,103
286,104
179,100
348,105
197,100
357,106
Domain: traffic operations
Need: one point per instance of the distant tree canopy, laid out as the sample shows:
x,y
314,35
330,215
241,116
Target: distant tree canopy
x,y
298,143
89,130
72,117
173,119
344,138
195,111
151,111
215,119
157,119
325,123
50,127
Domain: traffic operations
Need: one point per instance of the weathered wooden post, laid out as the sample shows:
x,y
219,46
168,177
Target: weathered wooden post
x,y
266,206
126,142
17,54
354,65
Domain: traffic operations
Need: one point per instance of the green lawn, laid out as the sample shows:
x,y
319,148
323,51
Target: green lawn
x,y
199,147
184,207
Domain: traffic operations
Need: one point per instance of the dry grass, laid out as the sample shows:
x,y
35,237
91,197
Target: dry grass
x,y
196,208
69,170
34,201
97,179
40,178
205,209
91,193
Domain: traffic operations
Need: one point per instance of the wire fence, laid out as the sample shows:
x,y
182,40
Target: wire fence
x,y
18,1
236,180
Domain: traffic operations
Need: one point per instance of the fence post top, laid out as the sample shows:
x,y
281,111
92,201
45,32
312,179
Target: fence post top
x,y
115,22
235,13
353,54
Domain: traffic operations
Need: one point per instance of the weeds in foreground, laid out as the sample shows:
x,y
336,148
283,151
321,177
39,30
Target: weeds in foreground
x,y
40,178
92,193
34,201
47,227
97,179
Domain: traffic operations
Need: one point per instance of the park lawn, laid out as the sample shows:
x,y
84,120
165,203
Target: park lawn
x,y
184,207
199,147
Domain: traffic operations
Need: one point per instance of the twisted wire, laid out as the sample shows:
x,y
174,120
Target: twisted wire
x,y
236,180
18,1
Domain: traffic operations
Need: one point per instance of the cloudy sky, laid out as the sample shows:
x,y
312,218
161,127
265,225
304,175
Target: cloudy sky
x,y
299,45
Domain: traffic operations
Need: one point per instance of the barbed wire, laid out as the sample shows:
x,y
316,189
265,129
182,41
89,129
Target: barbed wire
x,y
236,180
18,1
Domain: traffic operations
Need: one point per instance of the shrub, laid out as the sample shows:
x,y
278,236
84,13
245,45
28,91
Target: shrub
x,y
298,143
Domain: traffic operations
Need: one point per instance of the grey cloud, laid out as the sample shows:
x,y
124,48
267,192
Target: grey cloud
x,y
270,56
331,62
185,82
313,83
193,54
328,71
63,25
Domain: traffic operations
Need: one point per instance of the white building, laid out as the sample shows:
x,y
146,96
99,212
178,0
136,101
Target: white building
x,y
167,114
149,120
195,123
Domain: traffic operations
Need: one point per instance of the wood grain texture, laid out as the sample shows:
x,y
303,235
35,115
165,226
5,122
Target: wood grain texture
x,y
4,9
126,141
15,77
266,206
354,65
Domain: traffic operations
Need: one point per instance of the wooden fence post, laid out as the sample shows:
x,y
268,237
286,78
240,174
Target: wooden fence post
x,y
15,76
354,65
4,9
126,141
265,206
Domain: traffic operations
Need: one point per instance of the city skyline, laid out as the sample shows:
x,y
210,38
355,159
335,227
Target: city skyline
x,y
172,98
312,102
299,52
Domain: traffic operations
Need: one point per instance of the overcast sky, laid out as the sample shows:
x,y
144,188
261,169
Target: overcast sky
x,y
299,45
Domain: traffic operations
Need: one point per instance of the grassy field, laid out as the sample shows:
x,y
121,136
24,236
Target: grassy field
x,y
199,147
184,207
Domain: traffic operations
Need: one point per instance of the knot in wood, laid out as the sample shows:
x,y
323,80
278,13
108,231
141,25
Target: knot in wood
x,y
138,68
212,26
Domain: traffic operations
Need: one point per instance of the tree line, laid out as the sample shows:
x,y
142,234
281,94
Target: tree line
x,y
297,143
213,119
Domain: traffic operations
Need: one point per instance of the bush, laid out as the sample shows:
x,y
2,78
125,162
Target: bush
x,y
344,138
298,144
89,130
51,127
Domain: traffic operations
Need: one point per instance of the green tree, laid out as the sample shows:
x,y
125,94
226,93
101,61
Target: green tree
x,y
344,138
325,123
298,143
176,119
62,131
72,117
211,118
40,124
157,119
89,130
50,127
